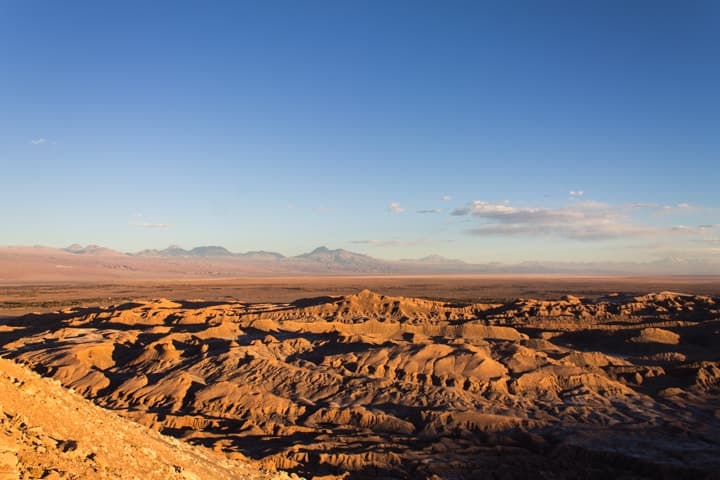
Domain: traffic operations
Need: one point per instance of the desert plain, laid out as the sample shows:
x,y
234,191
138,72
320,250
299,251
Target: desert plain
x,y
497,376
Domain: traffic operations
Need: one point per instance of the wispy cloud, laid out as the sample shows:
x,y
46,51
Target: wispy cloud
x,y
396,242
593,205
460,211
322,209
581,221
395,208
446,198
431,210
38,141
678,208
379,243
158,226
649,206
576,193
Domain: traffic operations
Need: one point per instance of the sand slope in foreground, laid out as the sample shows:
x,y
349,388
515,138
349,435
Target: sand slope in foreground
x,y
52,433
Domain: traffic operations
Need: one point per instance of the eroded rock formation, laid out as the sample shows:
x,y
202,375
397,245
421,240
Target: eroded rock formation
x,y
368,385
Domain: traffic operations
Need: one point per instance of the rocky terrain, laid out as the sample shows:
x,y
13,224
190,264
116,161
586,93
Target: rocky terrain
x,y
373,386
49,432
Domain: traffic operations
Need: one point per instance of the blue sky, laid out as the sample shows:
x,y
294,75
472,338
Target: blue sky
x,y
284,125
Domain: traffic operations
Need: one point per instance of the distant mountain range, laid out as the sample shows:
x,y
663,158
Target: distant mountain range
x,y
321,256
175,251
78,249
340,259
94,262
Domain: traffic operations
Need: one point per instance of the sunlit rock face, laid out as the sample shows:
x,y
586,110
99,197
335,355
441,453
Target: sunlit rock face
x,y
49,432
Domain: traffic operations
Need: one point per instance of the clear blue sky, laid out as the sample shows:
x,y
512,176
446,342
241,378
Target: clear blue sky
x,y
284,125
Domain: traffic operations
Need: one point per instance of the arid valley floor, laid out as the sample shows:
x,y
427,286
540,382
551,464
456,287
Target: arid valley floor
x,y
364,377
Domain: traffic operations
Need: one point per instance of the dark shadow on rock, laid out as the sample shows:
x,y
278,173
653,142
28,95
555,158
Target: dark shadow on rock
x,y
314,301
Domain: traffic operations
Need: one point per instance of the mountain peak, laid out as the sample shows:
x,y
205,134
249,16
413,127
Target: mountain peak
x,y
435,258
210,251
92,249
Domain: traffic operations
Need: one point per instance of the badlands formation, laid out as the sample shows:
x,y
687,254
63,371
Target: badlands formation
x,y
373,386
49,432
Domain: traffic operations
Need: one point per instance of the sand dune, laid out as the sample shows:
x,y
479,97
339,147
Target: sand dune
x,y
369,385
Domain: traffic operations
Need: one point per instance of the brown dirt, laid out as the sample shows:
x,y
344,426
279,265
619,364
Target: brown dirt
x,y
18,297
49,432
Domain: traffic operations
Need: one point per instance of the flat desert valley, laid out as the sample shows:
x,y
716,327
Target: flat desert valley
x,y
452,377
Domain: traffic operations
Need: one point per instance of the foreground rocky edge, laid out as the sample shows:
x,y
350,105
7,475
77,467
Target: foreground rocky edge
x,y
49,432
368,386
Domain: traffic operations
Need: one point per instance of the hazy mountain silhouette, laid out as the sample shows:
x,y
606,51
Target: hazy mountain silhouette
x,y
97,262
345,260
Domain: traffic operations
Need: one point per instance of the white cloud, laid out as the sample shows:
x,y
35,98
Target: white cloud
x,y
677,208
576,193
38,141
158,226
446,198
396,208
431,210
581,221
507,214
